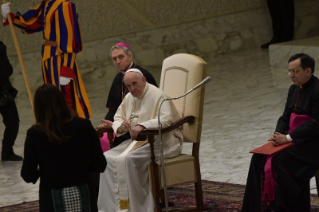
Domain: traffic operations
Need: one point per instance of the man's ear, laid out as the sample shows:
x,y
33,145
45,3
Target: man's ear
x,y
144,79
309,71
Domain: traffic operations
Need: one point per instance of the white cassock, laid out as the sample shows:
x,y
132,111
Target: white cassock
x,y
124,185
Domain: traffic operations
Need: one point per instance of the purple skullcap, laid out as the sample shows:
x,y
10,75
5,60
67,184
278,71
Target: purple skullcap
x,y
123,44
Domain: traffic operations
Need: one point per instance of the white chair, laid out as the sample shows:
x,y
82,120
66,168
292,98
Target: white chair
x,y
180,73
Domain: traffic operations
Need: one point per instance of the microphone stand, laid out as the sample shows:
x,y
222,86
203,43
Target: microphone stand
x,y
206,80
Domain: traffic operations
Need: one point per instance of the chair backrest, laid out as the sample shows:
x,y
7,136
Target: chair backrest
x,y
180,73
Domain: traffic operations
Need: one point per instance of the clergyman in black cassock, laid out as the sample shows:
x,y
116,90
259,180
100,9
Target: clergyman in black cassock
x,y
118,89
294,167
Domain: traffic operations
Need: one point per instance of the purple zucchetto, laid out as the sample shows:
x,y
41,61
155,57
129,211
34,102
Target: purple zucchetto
x,y
123,44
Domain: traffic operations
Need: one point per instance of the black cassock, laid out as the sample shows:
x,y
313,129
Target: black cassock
x,y
117,93
295,166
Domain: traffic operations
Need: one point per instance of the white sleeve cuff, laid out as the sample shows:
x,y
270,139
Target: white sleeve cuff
x,y
65,80
289,138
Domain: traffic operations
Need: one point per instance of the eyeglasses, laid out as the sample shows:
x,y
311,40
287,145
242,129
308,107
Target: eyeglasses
x,y
293,71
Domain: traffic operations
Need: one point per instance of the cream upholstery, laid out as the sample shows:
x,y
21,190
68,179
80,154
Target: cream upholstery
x,y
179,170
180,73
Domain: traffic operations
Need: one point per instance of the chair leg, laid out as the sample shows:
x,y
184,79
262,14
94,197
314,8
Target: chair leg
x,y
198,184
317,184
155,186
154,172
199,194
199,190
162,196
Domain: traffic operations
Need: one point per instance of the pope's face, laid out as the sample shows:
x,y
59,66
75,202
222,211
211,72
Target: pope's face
x,y
298,75
135,83
121,60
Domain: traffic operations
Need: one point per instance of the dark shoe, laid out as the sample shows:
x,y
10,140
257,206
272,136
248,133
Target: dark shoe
x,y
266,45
286,40
13,157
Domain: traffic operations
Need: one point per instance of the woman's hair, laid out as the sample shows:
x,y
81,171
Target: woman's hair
x,y
51,112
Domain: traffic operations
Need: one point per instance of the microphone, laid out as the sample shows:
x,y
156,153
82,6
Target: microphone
x,y
205,81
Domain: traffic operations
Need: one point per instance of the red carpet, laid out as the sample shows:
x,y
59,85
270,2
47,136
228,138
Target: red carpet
x,y
219,197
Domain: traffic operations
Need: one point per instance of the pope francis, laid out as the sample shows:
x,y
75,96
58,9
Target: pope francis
x,y
124,186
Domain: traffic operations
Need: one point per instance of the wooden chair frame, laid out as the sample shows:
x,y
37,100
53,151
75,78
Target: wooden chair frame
x,y
317,181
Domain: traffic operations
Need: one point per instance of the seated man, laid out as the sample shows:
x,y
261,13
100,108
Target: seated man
x,y
281,182
122,58
125,183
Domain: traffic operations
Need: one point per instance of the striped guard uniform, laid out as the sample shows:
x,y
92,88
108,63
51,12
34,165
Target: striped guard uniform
x,y
58,21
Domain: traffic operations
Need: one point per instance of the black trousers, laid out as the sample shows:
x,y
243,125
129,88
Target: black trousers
x,y
11,120
282,14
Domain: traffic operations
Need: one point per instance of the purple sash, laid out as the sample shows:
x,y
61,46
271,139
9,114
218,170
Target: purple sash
x,y
268,193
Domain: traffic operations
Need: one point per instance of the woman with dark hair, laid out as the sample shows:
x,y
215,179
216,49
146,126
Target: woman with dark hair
x,y
62,150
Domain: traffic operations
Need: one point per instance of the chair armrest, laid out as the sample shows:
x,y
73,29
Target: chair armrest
x,y
188,119
101,130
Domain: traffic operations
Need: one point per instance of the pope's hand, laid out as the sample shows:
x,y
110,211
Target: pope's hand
x,y
65,80
135,131
124,127
5,9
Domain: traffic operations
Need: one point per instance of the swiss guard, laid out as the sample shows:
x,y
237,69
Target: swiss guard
x,y
58,20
